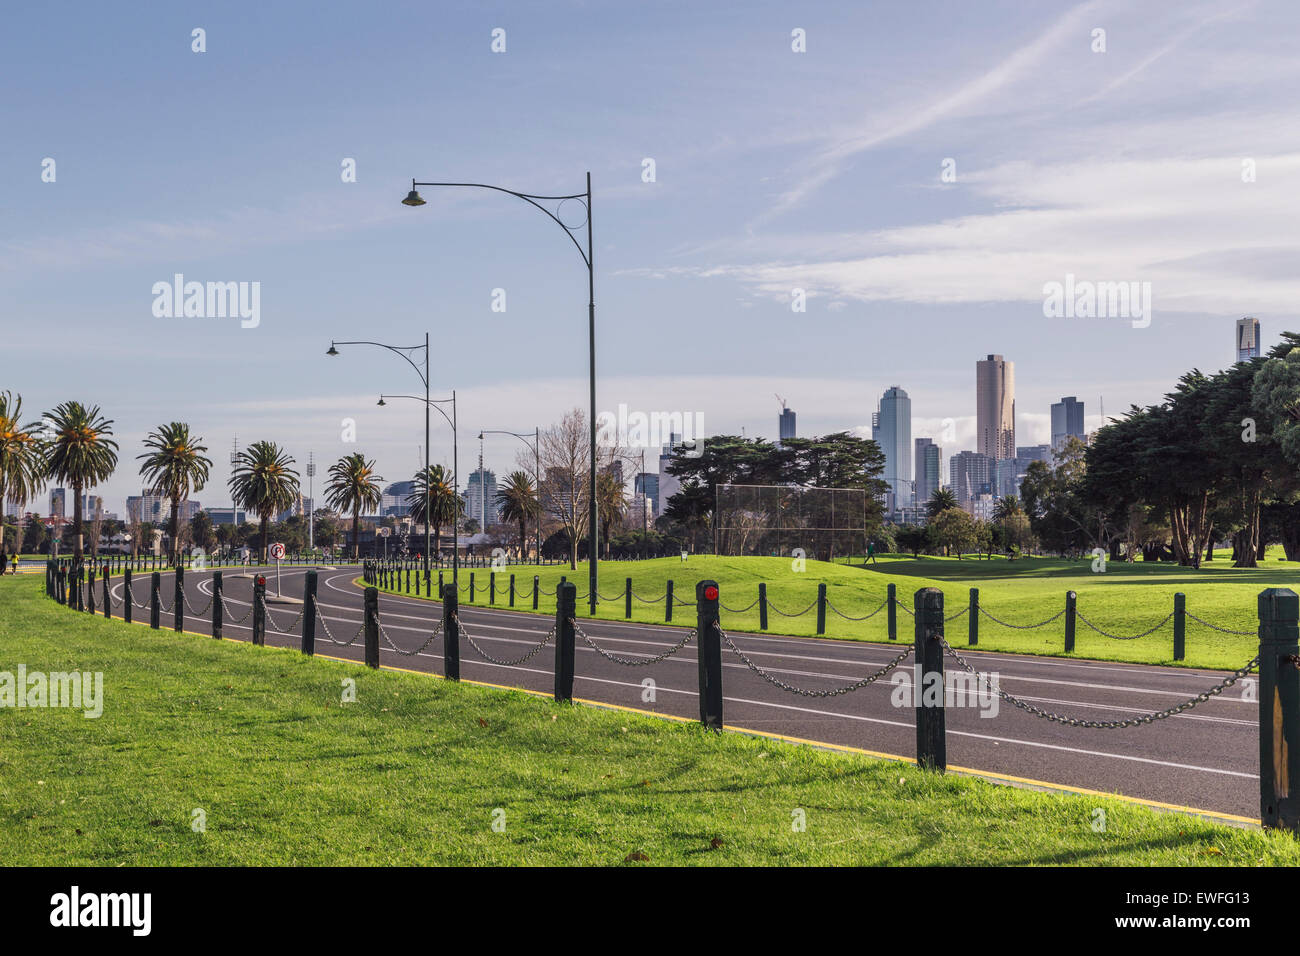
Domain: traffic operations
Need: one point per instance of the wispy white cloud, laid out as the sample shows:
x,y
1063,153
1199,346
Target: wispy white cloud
x,y
879,128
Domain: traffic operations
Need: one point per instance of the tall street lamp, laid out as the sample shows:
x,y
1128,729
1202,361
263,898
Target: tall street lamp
x,y
428,485
537,477
413,198
404,351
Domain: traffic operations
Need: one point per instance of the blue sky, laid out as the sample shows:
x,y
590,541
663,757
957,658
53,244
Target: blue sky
x,y
774,170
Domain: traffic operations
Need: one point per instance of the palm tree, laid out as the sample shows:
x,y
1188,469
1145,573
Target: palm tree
x,y
22,458
264,482
445,505
611,504
80,454
353,485
1007,507
518,501
174,466
941,500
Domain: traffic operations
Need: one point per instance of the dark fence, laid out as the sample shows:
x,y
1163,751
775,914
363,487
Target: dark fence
x,y
506,589
1278,660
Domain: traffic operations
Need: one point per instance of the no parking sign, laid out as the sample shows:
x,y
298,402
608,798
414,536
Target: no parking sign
x,y
277,552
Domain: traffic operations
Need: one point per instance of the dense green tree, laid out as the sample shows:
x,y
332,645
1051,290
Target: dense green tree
x,y
326,530
201,531
913,538
954,531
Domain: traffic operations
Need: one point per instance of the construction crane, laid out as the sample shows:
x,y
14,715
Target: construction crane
x,y
781,400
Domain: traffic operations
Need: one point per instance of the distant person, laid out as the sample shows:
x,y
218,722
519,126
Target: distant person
x,y
14,564
871,552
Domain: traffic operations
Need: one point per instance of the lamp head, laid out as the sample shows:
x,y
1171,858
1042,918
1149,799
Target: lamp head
x,y
332,350
413,199
381,401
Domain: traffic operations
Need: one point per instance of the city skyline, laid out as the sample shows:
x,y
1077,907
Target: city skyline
x,y
1039,424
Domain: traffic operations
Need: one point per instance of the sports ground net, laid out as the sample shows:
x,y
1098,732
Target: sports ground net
x,y
826,523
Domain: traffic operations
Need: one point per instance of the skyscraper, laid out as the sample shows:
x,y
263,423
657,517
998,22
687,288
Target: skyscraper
x,y
647,483
929,469
972,476
785,423
1247,339
995,407
892,431
669,485
481,498
1067,420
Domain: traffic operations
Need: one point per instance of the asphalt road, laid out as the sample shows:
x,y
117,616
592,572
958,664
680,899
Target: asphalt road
x,y
1207,758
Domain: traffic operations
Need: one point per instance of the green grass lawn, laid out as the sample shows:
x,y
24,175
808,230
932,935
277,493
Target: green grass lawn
x,y
1125,600
417,769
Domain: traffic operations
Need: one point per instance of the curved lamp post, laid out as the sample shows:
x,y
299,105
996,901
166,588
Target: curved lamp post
x,y
404,351
455,477
413,198
535,445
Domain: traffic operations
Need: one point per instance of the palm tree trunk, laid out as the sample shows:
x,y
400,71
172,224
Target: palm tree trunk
x,y
176,530
76,521
356,530
264,520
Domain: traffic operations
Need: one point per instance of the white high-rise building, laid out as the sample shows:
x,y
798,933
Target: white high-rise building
x,y
891,427
481,498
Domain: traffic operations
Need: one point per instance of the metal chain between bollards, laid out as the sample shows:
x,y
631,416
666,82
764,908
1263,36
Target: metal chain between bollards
x,y
432,637
503,663
1221,630
865,617
1020,627
835,692
330,637
1139,720
207,607
634,662
773,607
275,627
1120,637
236,620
